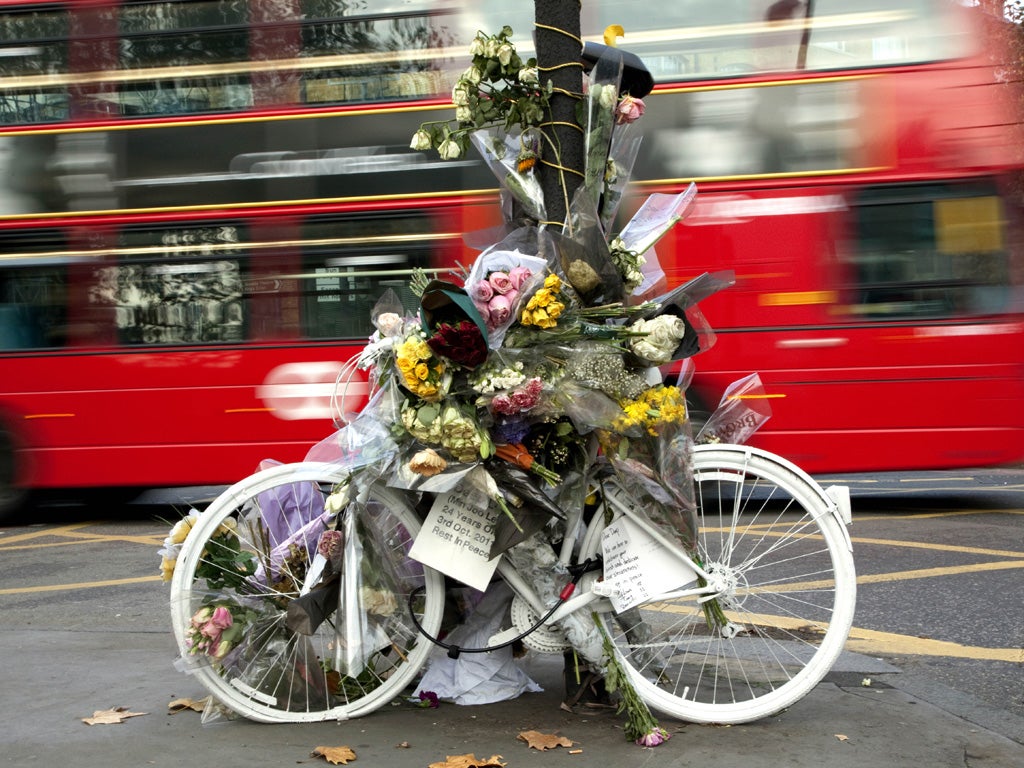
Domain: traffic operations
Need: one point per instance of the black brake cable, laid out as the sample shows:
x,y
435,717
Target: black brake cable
x,y
454,651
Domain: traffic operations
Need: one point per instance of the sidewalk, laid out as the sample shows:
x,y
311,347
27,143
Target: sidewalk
x,y
52,679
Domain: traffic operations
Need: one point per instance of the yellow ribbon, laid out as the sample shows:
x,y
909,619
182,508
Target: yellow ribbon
x,y
611,32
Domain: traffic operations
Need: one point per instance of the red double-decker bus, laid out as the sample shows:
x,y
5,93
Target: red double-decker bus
x,y
203,200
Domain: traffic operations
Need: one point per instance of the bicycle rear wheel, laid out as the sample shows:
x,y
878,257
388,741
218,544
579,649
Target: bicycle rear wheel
x,y
250,553
770,536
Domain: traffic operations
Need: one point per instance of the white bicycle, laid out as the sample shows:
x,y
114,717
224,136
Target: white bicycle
x,y
763,623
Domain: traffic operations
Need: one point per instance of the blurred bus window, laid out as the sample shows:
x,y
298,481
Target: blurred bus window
x,y
926,251
716,38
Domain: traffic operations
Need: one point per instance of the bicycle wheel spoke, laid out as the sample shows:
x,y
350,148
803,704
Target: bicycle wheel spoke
x,y
250,552
782,604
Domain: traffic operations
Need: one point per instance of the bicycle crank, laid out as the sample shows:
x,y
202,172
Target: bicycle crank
x,y
543,639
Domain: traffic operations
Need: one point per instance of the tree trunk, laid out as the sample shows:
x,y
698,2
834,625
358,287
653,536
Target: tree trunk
x,y
563,145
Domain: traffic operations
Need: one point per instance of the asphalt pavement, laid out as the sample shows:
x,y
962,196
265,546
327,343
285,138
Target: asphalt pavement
x,y
866,713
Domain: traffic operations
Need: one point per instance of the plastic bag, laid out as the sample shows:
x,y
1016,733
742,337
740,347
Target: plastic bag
x,y
740,413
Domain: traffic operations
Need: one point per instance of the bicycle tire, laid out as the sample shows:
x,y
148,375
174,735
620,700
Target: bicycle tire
x,y
774,536
275,674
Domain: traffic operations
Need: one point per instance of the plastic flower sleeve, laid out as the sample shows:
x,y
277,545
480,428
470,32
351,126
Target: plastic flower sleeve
x,y
350,653
598,122
511,158
585,260
740,413
367,442
502,278
689,294
658,214
663,500
625,146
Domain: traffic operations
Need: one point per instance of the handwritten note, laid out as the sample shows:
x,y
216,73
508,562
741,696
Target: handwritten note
x,y
638,567
457,535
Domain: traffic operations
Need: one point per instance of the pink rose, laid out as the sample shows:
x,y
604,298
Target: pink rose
x,y
518,276
485,312
500,282
221,617
481,292
500,310
629,110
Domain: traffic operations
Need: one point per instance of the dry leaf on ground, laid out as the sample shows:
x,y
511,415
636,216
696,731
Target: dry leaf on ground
x,y
179,705
542,741
470,761
111,716
335,755
842,737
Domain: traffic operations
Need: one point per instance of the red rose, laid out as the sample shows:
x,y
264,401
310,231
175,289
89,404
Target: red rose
x,y
462,343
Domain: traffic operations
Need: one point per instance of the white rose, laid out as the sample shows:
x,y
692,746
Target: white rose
x,y
389,323
650,353
420,141
667,331
472,76
464,114
449,150
505,51
529,75
607,97
460,94
479,46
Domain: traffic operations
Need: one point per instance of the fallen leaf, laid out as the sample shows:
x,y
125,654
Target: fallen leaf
x,y
470,761
402,745
542,741
335,755
111,716
180,705
842,737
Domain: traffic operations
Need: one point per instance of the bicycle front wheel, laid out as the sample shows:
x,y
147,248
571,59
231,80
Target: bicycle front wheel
x,y
339,652
771,540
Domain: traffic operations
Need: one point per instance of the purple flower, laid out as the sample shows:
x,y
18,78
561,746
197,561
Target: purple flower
x,y
429,699
654,737
511,431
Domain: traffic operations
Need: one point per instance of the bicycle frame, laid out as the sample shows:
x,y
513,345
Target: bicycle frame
x,y
592,591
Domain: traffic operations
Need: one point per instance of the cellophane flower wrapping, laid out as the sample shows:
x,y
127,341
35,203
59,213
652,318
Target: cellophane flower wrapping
x,y
597,119
622,153
511,158
503,277
741,412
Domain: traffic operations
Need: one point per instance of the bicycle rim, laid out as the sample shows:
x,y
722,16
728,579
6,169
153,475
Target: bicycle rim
x,y
250,552
767,532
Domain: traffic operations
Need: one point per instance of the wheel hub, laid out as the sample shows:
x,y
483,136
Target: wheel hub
x,y
727,582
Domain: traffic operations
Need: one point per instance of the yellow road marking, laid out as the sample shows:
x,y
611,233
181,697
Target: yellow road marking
x,y
872,642
59,531
939,547
80,585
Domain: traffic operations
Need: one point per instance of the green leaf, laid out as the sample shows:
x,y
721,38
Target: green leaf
x,y
426,414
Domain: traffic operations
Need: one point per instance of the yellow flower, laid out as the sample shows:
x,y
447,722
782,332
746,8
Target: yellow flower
x,y
180,530
553,282
167,568
422,371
